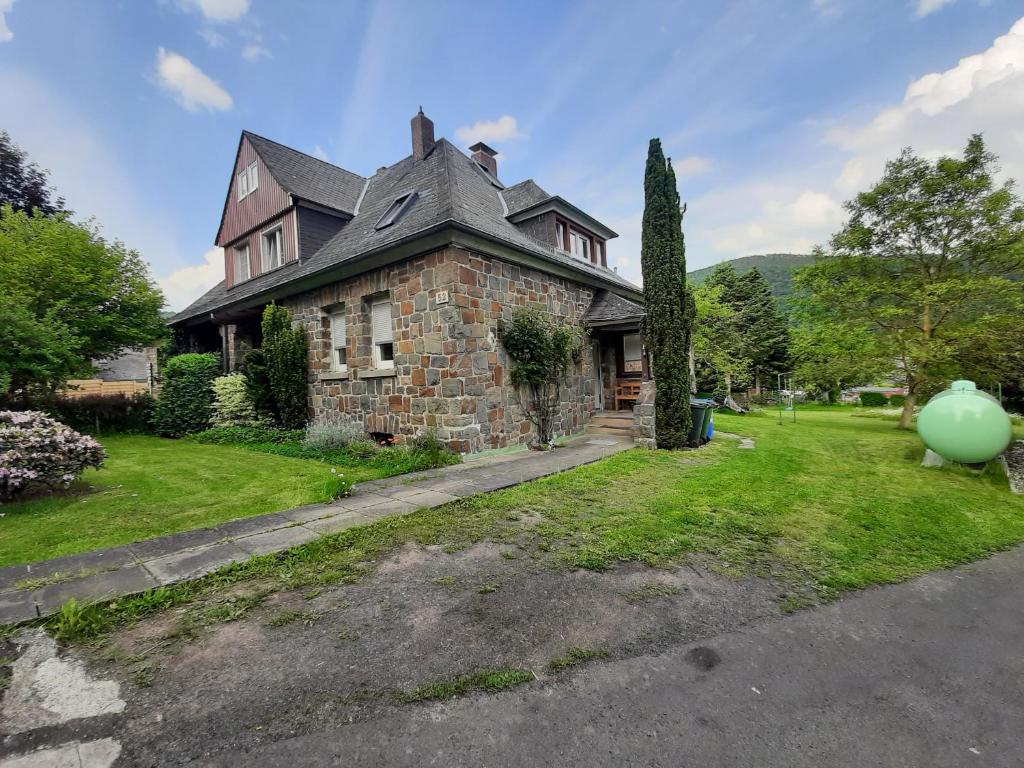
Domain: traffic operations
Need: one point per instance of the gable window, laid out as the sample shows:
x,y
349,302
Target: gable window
x,y
339,340
241,263
271,245
632,353
383,336
579,245
248,180
395,210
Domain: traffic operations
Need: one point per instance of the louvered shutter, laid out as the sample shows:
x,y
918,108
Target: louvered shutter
x,y
338,332
381,319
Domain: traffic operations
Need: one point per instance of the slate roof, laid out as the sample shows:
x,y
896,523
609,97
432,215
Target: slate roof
x,y
308,177
609,307
450,190
521,196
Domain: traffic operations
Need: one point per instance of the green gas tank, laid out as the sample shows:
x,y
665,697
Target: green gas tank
x,y
965,425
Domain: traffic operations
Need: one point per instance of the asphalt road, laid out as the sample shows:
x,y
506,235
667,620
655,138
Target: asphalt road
x,y
926,673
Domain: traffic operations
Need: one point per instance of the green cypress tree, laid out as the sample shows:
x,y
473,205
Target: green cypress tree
x,y
667,324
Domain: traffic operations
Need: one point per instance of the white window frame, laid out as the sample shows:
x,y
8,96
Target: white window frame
x,y
248,180
339,346
277,231
560,234
584,250
378,342
633,364
236,263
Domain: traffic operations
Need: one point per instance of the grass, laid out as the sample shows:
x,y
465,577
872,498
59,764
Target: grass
x,y
826,504
575,656
489,680
151,486
650,590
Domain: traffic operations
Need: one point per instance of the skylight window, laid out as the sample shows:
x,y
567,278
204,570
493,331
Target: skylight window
x,y
395,210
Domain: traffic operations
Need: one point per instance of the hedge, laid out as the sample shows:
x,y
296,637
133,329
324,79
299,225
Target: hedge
x,y
186,398
873,399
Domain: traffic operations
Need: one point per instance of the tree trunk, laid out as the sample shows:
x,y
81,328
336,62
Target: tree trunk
x,y
728,385
693,371
907,417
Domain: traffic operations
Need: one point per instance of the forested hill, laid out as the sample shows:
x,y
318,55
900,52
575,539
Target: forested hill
x,y
777,269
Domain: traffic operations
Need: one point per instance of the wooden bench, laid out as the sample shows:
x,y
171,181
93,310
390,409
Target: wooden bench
x,y
627,391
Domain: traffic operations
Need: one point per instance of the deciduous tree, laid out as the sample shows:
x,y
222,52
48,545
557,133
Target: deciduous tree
x,y
927,261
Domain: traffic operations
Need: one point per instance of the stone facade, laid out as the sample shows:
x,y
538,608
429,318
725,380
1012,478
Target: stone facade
x,y
643,417
451,374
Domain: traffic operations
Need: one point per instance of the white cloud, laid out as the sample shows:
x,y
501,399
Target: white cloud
x,y
213,38
320,153
925,7
219,10
192,88
800,207
254,52
504,128
691,166
827,7
185,285
5,31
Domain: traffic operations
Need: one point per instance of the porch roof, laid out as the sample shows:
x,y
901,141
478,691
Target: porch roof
x,y
611,309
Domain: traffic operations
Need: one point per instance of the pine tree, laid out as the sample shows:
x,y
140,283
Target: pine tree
x,y
667,324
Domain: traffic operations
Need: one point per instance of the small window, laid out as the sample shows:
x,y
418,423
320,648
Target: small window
x,y
560,234
395,210
339,340
383,336
579,245
632,353
247,181
271,245
242,271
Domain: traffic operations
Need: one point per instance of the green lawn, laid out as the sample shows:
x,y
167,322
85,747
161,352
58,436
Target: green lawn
x,y
830,503
149,487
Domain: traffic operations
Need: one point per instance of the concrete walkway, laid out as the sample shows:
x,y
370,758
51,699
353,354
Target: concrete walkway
x,y
39,589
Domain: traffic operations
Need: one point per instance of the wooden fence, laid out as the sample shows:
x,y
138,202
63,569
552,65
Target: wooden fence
x,y
83,387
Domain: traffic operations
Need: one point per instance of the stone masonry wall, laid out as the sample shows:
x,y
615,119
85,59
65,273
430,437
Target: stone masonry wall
x,y
450,374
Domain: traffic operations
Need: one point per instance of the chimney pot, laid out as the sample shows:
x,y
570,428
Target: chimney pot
x,y
422,135
486,157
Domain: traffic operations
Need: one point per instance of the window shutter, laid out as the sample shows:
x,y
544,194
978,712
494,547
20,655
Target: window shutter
x,y
338,331
381,311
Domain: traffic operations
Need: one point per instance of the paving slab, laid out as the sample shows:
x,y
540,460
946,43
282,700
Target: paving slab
x,y
249,525
191,564
276,540
340,522
389,508
362,500
101,586
85,563
428,498
311,512
16,607
149,549
11,575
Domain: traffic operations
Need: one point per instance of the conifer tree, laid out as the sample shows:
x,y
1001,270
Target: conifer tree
x,y
667,324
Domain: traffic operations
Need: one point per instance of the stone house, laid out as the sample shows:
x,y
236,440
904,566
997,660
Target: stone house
x,y
400,280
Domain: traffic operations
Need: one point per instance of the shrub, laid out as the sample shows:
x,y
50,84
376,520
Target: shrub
x,y
231,405
257,383
186,399
873,399
897,401
430,448
251,434
36,450
287,358
333,434
100,414
542,350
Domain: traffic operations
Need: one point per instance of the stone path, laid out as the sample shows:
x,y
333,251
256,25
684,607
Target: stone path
x,y
39,589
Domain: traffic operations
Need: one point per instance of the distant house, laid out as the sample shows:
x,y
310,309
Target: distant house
x,y
400,280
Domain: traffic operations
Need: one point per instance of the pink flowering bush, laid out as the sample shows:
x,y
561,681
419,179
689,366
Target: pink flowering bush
x,y
37,450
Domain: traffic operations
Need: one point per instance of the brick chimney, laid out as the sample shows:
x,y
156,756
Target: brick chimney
x,y
422,135
485,156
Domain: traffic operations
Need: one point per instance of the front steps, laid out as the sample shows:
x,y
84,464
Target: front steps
x,y
617,423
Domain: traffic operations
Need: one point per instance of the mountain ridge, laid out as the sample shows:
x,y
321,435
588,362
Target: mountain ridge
x,y
777,269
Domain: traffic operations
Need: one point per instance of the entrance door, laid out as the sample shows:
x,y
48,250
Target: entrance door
x,y
598,376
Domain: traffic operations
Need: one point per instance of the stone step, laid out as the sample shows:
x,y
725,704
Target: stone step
x,y
612,421
593,429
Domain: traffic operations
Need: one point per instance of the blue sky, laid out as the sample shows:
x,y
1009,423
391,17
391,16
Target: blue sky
x,y
775,112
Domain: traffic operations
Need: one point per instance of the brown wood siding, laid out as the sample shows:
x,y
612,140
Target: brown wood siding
x,y
269,199
254,240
